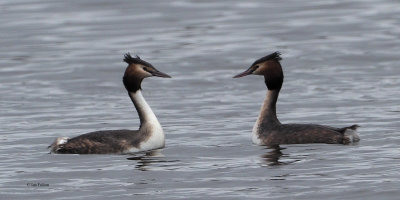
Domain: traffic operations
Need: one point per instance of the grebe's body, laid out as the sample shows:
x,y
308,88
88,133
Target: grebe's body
x,y
149,136
269,131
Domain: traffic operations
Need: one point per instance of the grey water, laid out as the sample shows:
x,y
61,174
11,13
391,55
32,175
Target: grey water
x,y
61,75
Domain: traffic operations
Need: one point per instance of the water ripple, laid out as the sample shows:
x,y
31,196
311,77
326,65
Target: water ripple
x,y
61,72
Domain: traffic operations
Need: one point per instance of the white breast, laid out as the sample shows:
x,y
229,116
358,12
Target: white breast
x,y
255,136
155,141
149,124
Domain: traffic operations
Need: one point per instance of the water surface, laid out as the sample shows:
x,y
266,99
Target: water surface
x,y
61,69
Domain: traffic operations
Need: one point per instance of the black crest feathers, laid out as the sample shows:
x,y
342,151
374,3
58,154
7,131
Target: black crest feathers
x,y
135,60
273,56
131,60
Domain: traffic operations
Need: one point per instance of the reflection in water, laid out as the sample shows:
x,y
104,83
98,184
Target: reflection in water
x,y
145,160
55,76
150,157
272,158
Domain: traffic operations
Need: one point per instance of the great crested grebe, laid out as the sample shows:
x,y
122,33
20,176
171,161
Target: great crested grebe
x,y
269,131
150,134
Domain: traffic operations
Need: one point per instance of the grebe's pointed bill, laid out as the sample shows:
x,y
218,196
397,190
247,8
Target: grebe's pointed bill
x,y
159,74
247,72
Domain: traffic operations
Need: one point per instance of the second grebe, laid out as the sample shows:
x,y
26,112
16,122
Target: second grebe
x,y
150,134
269,131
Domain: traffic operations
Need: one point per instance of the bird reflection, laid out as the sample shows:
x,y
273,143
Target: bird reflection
x,y
150,158
272,157
275,155
145,160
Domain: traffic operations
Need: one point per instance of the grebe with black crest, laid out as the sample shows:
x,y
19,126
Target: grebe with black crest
x,y
150,134
270,132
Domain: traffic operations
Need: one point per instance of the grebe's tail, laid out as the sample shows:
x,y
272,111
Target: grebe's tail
x,y
58,144
350,134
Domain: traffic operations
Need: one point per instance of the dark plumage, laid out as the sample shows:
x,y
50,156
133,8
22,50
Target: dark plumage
x,y
150,134
304,133
131,60
103,142
132,85
269,131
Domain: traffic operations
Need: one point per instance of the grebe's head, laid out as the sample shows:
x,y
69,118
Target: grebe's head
x,y
268,66
137,70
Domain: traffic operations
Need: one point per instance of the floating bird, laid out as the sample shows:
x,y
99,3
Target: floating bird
x,y
150,134
269,131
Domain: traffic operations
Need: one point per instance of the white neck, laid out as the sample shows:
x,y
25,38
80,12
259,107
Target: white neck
x,y
267,116
148,124
146,115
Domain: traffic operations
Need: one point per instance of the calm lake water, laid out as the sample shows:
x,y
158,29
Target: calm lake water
x,y
61,75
